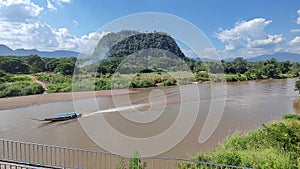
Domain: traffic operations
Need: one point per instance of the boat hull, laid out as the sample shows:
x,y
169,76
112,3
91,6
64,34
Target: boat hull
x,y
54,119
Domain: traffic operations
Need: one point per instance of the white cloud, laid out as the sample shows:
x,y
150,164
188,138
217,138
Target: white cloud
x,y
89,42
189,53
248,38
209,53
243,32
51,6
75,23
298,19
19,10
27,35
20,27
295,30
294,45
269,41
295,41
83,44
43,37
63,1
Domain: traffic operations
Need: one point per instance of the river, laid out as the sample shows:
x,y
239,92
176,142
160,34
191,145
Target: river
x,y
248,105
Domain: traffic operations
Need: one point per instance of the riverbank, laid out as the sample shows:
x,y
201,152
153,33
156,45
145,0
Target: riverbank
x,y
248,105
274,145
29,100
24,101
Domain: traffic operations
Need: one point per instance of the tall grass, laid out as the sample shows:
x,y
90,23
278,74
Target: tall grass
x,y
20,88
275,145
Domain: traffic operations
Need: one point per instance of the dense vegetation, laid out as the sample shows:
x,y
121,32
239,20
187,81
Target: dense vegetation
x,y
17,85
14,84
135,52
274,145
63,83
134,59
36,64
134,163
263,69
141,41
60,73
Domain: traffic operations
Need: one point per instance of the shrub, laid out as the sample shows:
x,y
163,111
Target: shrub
x,y
20,89
169,82
19,78
291,116
134,163
141,83
275,145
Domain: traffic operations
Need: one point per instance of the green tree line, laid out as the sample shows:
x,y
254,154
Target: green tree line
x,y
36,64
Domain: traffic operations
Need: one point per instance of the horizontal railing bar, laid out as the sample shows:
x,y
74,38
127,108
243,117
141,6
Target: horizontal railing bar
x,y
17,163
62,147
34,147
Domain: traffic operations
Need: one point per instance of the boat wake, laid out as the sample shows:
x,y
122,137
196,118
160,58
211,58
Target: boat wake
x,y
117,109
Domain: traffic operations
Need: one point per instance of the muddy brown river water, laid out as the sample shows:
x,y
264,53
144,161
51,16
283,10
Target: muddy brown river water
x,y
247,106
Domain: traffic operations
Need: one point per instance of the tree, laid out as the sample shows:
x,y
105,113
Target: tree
x,y
65,68
240,65
11,65
36,63
270,68
52,64
284,67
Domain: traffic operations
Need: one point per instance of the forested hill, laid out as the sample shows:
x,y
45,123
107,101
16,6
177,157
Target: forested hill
x,y
155,51
127,42
135,43
107,41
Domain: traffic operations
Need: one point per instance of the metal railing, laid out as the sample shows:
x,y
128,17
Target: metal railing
x,y
49,156
15,166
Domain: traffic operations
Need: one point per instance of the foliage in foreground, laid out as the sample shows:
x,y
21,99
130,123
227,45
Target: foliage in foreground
x,y
21,88
17,85
275,145
63,83
134,163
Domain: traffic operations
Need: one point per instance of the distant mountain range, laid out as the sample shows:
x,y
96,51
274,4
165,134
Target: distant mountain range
x,y
6,51
292,57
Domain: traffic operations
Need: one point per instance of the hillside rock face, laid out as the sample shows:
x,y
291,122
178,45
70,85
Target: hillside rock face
x,y
128,42
109,40
133,52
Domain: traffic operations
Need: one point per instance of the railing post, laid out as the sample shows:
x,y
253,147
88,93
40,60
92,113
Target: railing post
x,y
3,149
47,155
7,148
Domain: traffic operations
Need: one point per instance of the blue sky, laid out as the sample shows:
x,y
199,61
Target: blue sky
x,y
236,28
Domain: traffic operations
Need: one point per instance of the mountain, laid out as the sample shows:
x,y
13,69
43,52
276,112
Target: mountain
x,y
127,42
142,41
129,51
293,57
5,51
107,41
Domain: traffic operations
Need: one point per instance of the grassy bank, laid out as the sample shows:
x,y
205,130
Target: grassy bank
x,y
274,145
203,76
18,85
63,83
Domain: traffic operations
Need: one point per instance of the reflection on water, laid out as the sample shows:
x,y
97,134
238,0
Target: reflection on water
x,y
248,105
